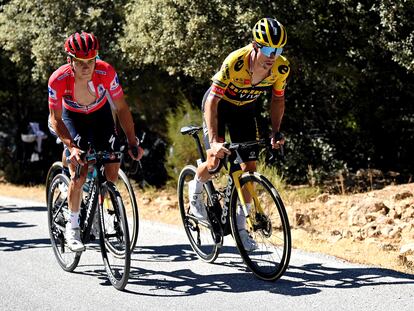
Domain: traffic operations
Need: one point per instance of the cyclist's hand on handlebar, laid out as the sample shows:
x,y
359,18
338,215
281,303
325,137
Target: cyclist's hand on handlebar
x,y
277,140
135,151
218,150
76,156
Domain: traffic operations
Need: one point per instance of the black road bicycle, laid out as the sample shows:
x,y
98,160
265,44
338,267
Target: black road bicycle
x,y
124,187
266,222
102,213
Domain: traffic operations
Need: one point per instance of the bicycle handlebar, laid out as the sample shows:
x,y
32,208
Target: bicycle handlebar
x,y
234,147
93,157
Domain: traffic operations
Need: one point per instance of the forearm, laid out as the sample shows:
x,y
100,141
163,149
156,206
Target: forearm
x,y
277,109
62,132
210,116
126,122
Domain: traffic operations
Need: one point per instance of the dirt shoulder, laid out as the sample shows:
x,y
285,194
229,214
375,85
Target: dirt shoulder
x,y
374,228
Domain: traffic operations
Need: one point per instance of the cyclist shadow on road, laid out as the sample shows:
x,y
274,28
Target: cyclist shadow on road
x,y
308,279
8,245
320,276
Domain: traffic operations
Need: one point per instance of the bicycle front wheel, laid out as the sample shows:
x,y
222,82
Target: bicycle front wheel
x,y
126,191
58,215
200,233
55,168
265,243
114,236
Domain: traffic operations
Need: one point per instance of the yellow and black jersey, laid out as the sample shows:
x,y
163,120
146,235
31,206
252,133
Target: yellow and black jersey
x,y
233,81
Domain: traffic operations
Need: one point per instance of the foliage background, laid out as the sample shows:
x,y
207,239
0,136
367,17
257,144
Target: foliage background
x,y
349,99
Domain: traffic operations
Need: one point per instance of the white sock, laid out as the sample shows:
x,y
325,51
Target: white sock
x,y
241,219
197,184
74,220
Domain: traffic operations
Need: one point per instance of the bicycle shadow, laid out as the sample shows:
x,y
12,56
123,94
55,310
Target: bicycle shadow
x,y
308,279
15,224
7,245
12,208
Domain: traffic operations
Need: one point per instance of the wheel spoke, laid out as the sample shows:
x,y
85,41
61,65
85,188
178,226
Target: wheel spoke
x,y
266,248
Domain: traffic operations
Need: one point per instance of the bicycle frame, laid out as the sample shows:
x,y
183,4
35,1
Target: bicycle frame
x,y
87,215
95,196
232,182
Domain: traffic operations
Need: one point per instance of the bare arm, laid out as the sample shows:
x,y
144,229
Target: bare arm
x,y
277,109
63,133
217,149
210,116
60,128
125,119
127,124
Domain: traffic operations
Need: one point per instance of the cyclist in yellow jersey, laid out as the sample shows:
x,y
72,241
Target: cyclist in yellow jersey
x,y
230,102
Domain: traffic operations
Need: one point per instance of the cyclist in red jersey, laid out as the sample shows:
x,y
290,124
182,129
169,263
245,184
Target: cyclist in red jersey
x,y
81,94
230,102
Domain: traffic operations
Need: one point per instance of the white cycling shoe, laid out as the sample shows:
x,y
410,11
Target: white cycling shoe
x,y
197,206
248,243
73,239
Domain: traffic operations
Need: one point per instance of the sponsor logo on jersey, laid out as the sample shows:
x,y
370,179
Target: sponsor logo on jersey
x,y
217,90
283,69
239,65
63,76
101,89
101,72
226,72
114,83
52,93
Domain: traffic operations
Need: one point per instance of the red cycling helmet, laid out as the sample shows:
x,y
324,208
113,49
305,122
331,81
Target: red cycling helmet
x,y
83,46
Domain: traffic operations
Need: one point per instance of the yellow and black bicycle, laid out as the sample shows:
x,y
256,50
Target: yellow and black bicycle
x,y
266,224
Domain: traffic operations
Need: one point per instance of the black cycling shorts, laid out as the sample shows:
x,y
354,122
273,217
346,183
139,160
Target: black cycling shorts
x,y
240,121
96,129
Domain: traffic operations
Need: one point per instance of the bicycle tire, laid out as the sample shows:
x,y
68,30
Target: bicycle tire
x,y
123,183
55,168
114,237
57,207
270,232
124,187
200,234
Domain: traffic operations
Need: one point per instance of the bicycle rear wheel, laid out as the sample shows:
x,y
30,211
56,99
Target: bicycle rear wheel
x,y
269,256
199,233
114,236
126,191
58,214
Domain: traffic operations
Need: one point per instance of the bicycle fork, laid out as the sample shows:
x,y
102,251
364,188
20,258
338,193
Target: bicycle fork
x,y
250,189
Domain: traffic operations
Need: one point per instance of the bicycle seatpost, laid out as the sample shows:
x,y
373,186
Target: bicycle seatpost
x,y
199,148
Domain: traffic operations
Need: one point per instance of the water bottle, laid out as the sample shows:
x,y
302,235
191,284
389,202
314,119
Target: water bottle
x,y
91,175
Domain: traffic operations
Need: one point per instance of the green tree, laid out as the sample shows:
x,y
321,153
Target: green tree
x,y
397,30
32,34
187,36
183,149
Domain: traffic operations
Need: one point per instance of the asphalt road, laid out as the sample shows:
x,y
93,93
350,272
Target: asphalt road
x,y
166,275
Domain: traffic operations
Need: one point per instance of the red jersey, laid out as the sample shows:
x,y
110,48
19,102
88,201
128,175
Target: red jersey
x,y
104,82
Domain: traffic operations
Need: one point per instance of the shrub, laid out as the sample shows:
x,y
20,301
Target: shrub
x,y
182,149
